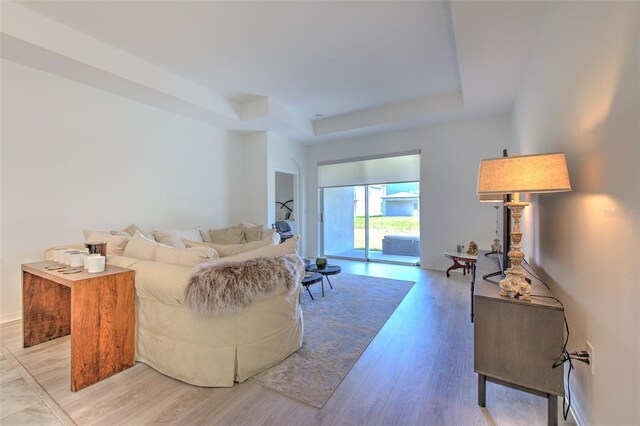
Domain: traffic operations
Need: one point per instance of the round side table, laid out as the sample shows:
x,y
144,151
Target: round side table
x,y
329,270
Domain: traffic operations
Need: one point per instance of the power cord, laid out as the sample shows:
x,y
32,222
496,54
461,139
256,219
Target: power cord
x,y
564,356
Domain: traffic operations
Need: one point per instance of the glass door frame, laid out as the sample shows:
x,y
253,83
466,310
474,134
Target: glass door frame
x,y
366,258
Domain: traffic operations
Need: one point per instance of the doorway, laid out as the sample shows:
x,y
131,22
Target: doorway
x,y
286,203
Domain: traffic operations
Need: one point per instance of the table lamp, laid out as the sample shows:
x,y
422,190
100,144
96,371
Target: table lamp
x,y
512,175
497,200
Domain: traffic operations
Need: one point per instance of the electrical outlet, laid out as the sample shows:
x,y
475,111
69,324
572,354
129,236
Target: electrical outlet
x,y
591,357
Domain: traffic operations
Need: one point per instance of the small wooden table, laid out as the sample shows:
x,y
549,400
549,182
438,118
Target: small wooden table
x,y
467,261
96,309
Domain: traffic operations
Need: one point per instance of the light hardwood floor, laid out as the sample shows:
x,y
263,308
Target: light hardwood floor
x,y
417,371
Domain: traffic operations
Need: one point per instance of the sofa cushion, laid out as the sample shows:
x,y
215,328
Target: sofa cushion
x,y
171,237
228,249
140,247
161,281
115,244
231,235
185,256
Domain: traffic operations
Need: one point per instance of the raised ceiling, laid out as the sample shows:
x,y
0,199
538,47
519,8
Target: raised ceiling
x,y
313,70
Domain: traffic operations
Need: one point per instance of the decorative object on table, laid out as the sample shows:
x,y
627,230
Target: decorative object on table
x,y
77,259
307,262
473,248
321,262
96,264
354,315
498,200
99,247
512,175
460,248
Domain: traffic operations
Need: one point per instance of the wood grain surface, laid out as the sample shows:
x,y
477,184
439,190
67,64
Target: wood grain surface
x,y
46,308
102,328
97,309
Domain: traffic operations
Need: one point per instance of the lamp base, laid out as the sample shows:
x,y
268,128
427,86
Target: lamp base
x,y
515,283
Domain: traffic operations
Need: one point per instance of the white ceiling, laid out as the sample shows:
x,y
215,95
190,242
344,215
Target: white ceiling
x,y
331,58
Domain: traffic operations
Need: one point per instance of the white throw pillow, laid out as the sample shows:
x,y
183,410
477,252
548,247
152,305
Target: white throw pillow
x,y
185,256
227,249
140,247
172,237
115,243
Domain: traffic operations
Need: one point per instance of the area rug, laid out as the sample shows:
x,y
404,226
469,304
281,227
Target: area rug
x,y
337,329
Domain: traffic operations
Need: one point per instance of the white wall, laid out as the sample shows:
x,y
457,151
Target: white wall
x,y
450,213
73,158
581,96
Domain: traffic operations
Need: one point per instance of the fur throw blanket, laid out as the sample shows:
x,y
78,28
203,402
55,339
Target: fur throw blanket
x,y
232,286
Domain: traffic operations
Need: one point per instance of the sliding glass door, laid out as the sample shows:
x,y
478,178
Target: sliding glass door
x,y
376,222
340,210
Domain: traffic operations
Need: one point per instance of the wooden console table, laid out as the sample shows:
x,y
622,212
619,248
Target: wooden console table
x,y
517,342
96,309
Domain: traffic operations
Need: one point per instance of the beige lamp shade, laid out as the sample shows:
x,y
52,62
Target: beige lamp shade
x,y
491,198
526,173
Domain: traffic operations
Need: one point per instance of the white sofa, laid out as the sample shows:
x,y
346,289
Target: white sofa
x,y
215,350
208,351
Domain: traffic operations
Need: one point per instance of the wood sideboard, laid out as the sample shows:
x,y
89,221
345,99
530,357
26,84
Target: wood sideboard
x,y
516,342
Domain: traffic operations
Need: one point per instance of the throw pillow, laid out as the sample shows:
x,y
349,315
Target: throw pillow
x,y
124,234
115,243
142,248
252,233
228,249
184,256
172,237
288,247
206,237
231,235
131,229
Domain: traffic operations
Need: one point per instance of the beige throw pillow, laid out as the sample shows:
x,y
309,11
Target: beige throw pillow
x,y
231,235
142,248
115,243
172,237
131,229
228,249
206,237
252,233
185,256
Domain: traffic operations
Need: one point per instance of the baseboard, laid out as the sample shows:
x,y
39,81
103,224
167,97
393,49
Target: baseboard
x,y
577,411
10,317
